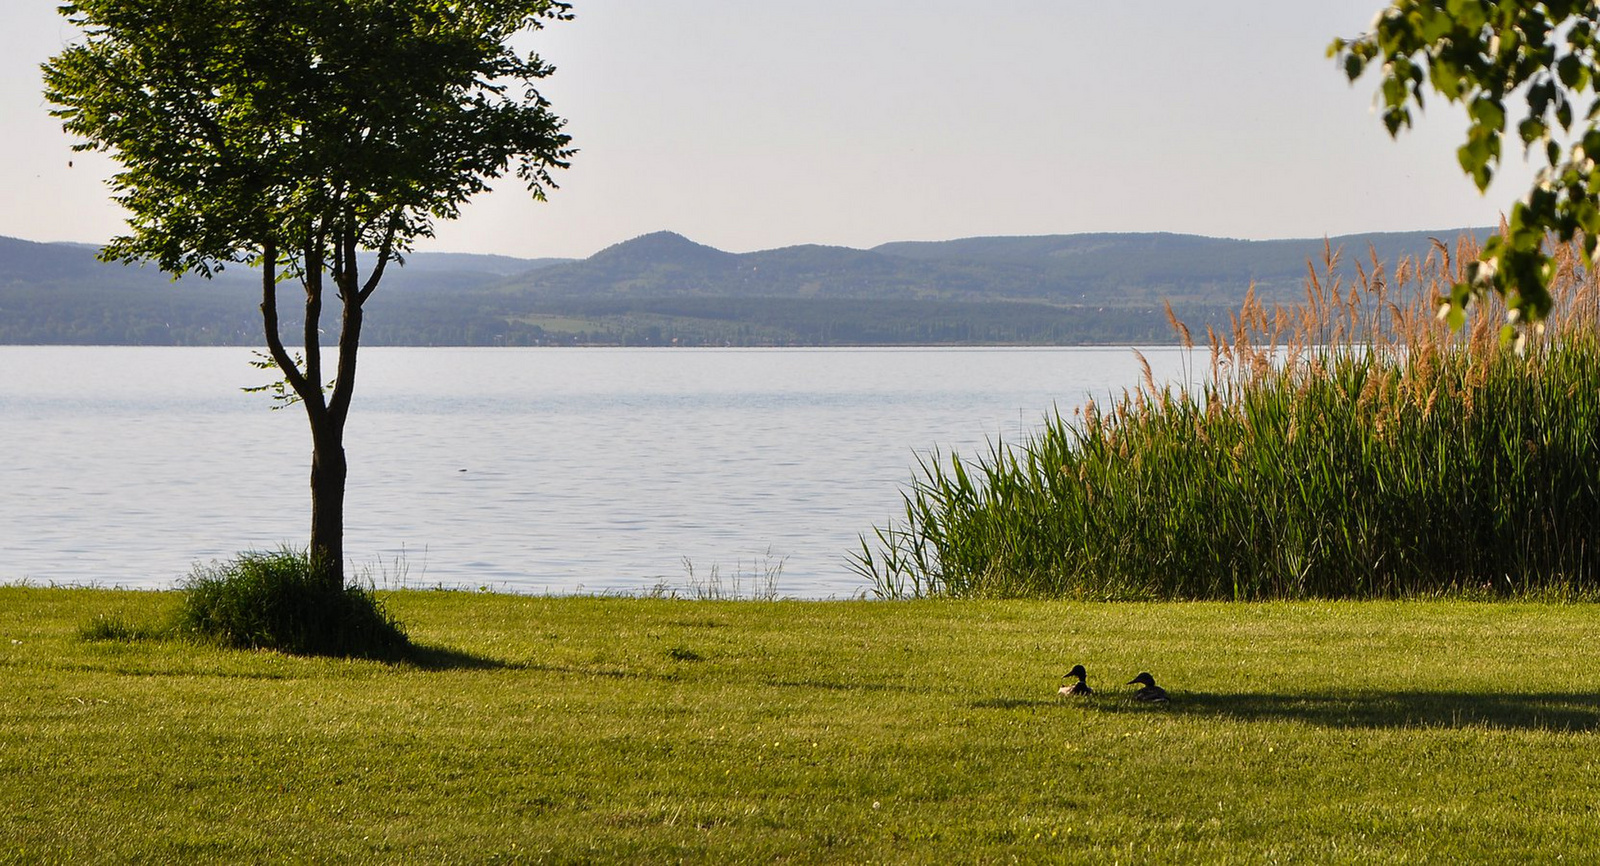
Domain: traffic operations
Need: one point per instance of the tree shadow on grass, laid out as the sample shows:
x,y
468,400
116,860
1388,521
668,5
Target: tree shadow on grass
x,y
840,685
610,672
1016,703
440,658
1539,711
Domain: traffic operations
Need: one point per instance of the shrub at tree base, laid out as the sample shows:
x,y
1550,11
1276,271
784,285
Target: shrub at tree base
x,y
1354,446
280,601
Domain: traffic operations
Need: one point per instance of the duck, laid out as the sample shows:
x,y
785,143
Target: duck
x,y
1151,693
1078,689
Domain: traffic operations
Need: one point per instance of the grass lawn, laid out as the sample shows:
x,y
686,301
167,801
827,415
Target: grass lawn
x,y
651,730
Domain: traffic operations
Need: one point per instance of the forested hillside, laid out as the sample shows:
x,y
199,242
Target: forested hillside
x,y
663,289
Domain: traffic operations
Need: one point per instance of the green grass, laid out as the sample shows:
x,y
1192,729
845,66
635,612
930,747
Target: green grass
x,y
642,730
560,324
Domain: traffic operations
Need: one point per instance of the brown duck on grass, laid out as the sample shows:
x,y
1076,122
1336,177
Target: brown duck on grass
x,y
1079,689
1151,693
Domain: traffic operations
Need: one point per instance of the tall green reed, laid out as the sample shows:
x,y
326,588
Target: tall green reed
x,y
1349,446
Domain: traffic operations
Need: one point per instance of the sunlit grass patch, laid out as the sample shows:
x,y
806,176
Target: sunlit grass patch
x,y
582,729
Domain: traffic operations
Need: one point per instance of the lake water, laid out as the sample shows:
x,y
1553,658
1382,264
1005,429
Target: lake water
x,y
538,470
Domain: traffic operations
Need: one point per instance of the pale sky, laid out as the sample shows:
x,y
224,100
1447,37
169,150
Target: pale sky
x,y
747,124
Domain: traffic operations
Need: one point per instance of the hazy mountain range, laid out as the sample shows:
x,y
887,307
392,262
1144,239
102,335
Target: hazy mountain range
x,y
663,288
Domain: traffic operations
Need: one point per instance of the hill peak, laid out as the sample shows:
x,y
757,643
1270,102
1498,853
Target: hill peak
x,y
658,246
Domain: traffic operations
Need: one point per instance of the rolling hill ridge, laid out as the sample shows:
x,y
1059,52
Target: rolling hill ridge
x,y
662,288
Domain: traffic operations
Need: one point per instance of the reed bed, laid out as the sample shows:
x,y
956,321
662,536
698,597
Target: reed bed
x,y
1352,445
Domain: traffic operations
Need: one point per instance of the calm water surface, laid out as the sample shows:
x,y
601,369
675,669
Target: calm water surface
x,y
540,470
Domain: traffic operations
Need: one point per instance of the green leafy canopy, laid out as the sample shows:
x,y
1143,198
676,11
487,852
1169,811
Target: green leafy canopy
x,y
300,125
1541,58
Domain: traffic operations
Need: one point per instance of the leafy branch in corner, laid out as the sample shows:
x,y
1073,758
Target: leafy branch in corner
x,y
1484,54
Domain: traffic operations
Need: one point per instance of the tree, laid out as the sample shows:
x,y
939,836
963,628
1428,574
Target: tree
x,y
1482,54
311,139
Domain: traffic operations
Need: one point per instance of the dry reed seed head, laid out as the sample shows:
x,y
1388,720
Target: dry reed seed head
x,y
1390,387
1149,378
1178,327
1428,407
1437,257
1480,340
1258,318
1260,365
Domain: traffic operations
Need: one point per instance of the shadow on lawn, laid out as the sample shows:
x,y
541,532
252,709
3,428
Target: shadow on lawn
x,y
439,658
1552,711
840,685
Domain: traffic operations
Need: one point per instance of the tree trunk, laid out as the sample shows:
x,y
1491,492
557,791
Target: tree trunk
x,y
328,471
325,412
327,418
328,466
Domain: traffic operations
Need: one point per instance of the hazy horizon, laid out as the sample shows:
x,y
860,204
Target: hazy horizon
x,y
1443,230
749,127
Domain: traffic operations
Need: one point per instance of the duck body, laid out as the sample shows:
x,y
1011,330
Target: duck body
x,y
1150,693
1079,689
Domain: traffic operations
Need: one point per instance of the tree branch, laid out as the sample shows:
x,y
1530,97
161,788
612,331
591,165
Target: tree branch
x,y
311,279
385,253
269,318
350,288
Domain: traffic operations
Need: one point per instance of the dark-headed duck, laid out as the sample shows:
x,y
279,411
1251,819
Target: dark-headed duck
x,y
1151,693
1079,688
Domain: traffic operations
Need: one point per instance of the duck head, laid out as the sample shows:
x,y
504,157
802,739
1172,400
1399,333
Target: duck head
x,y
1077,671
1143,679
